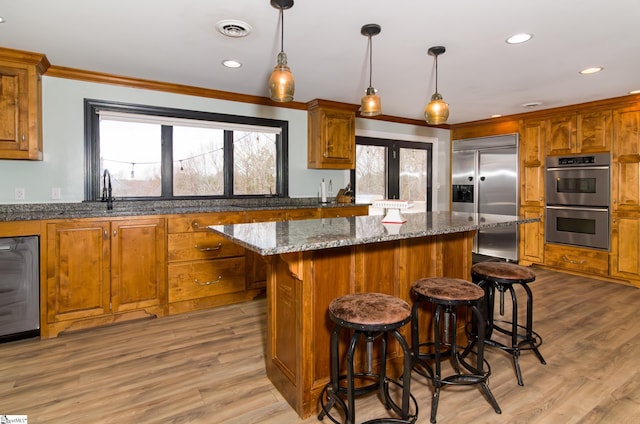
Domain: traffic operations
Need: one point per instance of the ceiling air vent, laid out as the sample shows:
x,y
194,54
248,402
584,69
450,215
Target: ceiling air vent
x,y
233,28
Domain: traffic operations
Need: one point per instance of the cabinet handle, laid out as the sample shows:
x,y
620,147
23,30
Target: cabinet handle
x,y
106,233
115,233
195,224
566,259
208,249
208,283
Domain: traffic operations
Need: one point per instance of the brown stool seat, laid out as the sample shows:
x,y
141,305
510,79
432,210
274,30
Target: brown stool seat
x,y
448,290
503,272
362,310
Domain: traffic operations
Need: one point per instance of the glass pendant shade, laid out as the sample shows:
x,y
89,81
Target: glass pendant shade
x,y
437,111
371,104
281,83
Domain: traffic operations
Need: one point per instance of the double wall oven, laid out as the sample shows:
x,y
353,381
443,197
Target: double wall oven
x,y
577,192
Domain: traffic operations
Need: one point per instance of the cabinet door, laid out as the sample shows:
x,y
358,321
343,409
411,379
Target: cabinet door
x,y
77,270
625,246
595,131
331,136
625,162
14,109
138,263
21,104
532,163
532,236
562,135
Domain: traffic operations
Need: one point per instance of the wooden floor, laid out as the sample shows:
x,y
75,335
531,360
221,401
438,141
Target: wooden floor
x,y
208,367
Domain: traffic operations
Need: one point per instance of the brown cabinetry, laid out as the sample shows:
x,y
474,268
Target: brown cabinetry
x,y
625,196
583,132
345,211
21,104
590,261
204,269
531,235
100,271
332,135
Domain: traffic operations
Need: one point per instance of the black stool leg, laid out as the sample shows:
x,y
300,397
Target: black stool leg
x,y
438,374
351,403
514,334
332,389
484,387
530,335
406,380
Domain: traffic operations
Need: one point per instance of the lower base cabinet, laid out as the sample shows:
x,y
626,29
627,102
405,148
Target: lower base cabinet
x,y
99,271
625,247
205,269
103,271
571,258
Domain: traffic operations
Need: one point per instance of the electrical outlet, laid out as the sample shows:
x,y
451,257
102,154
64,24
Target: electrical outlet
x,y
20,195
55,193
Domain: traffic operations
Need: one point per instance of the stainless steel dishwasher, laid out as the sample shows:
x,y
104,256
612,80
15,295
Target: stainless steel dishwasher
x,y
19,288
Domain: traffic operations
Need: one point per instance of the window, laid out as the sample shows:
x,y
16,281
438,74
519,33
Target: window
x,y
162,153
392,169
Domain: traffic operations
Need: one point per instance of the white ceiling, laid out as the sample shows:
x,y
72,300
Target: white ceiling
x,y
176,41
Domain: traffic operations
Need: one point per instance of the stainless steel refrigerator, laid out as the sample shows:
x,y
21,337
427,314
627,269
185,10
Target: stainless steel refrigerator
x,y
484,179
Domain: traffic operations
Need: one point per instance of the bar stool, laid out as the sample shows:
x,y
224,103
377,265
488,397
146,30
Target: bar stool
x,y
447,294
371,316
503,276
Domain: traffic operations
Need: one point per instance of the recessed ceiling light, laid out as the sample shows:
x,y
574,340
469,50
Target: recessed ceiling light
x,y
233,28
496,116
634,92
2,20
593,70
519,38
230,63
532,104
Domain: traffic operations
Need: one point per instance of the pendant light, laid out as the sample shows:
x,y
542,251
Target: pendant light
x,y
281,83
370,104
437,111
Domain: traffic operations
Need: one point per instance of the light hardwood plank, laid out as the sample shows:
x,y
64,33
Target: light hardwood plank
x,y
208,367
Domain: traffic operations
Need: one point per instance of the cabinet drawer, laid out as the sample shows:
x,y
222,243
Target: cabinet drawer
x,y
206,278
199,221
201,245
576,259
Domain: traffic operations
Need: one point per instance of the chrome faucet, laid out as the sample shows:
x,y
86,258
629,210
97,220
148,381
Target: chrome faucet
x,y
107,193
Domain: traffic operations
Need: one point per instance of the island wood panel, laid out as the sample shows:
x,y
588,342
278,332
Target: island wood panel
x,y
301,286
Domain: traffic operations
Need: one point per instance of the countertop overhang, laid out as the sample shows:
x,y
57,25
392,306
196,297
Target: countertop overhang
x,y
272,238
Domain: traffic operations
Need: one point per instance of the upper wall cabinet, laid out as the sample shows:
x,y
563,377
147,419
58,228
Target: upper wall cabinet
x,y
332,135
21,104
583,132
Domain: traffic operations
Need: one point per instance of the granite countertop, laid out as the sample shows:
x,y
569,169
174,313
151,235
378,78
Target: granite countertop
x,y
94,209
271,238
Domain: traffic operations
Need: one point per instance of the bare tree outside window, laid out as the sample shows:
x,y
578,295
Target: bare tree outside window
x,y
413,177
371,173
131,153
254,163
198,161
393,169
158,152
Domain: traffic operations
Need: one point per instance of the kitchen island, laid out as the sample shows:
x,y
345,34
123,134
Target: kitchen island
x,y
311,262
